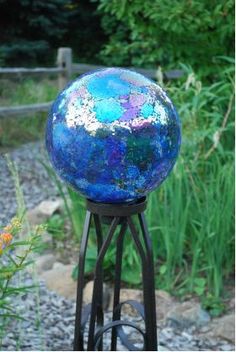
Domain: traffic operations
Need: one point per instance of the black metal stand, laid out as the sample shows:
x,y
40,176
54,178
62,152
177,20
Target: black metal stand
x,y
115,215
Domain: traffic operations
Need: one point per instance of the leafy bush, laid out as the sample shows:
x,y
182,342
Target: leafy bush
x,y
154,32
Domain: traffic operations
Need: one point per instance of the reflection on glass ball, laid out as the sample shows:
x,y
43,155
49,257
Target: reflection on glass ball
x,y
114,135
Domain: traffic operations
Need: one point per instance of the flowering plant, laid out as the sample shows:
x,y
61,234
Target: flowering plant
x,y
14,257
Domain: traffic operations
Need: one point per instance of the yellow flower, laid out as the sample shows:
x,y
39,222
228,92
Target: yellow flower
x,y
6,238
16,223
40,229
14,226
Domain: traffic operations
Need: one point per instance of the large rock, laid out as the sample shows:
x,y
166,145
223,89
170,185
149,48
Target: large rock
x,y
43,211
164,303
44,262
129,294
88,294
188,313
223,327
59,280
125,295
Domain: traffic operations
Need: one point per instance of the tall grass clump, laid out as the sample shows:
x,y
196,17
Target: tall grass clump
x,y
191,214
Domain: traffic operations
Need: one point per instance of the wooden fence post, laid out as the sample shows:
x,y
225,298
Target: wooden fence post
x,y
64,61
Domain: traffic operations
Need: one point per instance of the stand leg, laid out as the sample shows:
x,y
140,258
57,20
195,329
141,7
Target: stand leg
x,y
78,340
148,286
97,280
119,251
100,318
149,282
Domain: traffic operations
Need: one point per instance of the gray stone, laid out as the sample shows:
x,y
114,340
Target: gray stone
x,y
226,347
164,303
166,334
212,342
187,336
224,328
163,348
232,303
56,331
47,241
44,262
8,341
205,329
188,313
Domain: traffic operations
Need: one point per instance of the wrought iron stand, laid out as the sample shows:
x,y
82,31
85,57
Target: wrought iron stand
x,y
117,215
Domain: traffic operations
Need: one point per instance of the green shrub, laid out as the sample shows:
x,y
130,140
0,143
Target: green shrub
x,y
154,32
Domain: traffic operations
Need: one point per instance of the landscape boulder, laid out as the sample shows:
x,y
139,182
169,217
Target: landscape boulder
x,y
43,211
188,313
59,280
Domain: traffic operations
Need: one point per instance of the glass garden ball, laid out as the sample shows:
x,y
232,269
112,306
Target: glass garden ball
x,y
113,135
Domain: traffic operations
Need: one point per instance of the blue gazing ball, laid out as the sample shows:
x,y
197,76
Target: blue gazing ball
x,y
113,135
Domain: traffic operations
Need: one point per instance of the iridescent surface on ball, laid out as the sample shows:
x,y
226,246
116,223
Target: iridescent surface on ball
x,y
113,135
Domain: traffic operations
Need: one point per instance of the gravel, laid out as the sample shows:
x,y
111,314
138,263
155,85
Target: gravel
x,y
34,180
49,325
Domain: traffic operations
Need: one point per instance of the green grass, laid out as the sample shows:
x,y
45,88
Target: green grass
x,y
17,130
190,216
191,224
27,91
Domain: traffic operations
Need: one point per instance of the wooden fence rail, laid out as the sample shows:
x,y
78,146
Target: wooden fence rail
x,y
30,71
65,69
24,109
172,74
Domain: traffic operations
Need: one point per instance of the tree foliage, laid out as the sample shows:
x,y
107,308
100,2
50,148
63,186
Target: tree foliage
x,y
155,32
32,30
